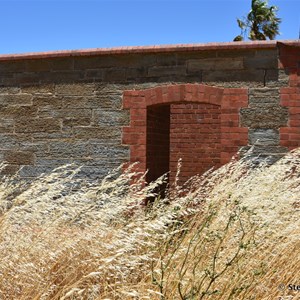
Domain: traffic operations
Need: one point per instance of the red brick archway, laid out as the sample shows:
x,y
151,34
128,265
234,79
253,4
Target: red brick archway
x,y
195,122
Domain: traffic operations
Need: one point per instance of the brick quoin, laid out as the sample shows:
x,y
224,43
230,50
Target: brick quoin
x,y
193,122
289,61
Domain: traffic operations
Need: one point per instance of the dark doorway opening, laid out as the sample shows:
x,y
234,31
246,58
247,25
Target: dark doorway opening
x,y
196,123
158,144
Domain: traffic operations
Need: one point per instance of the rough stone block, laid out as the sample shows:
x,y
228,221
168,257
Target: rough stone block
x,y
234,75
183,57
28,78
263,96
236,53
102,117
75,102
196,65
37,65
97,74
16,99
34,171
8,141
15,112
110,101
12,141
77,89
47,65
19,157
110,89
71,149
27,125
264,92
7,79
62,63
114,74
271,77
106,163
103,133
70,122
12,66
7,126
167,59
104,101
93,173
9,90
111,61
59,77
53,162
263,154
43,136
47,101
283,78
84,63
158,71
38,148
109,151
269,116
261,62
47,112
8,170
132,74
264,137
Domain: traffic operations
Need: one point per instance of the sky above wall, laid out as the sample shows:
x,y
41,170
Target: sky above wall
x,y
46,25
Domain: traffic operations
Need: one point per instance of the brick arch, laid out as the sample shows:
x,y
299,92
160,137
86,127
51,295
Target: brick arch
x,y
216,106
183,93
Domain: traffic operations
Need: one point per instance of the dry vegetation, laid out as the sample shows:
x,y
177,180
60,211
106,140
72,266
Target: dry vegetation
x,y
230,234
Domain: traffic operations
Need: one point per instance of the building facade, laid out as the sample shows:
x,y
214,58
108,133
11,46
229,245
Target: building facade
x,y
99,108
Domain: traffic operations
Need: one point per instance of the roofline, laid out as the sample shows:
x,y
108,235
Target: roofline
x,y
150,49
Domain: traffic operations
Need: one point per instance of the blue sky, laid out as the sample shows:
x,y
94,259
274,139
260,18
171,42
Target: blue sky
x,y
46,25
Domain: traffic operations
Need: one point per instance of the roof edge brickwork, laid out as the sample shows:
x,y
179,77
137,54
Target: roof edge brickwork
x,y
150,49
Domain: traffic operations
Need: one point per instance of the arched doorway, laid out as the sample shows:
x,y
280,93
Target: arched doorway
x,y
195,122
188,131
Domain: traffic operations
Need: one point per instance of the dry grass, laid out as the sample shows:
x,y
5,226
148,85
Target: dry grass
x,y
230,234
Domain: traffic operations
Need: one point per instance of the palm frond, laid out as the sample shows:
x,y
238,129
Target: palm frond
x,y
261,22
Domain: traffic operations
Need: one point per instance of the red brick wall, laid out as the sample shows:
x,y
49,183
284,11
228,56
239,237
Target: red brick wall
x,y
218,108
289,61
195,138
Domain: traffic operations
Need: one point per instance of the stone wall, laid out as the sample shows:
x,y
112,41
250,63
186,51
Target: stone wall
x,y
71,106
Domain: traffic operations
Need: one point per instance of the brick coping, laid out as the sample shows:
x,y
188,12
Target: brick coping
x,y
150,49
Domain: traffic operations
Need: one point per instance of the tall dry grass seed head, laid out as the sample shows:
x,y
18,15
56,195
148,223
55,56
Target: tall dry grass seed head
x,y
232,233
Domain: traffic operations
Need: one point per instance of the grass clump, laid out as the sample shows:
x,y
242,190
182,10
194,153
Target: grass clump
x,y
229,234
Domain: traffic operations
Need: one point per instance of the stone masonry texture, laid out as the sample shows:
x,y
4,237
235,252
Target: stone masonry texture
x,y
104,107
